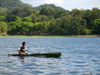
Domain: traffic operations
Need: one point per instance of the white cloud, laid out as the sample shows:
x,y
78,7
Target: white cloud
x,y
34,3
56,2
76,1
39,2
67,4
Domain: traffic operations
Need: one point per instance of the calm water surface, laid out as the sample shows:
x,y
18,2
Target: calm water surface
x,y
80,56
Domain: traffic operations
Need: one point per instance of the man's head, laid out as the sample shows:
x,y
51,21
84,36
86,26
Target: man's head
x,y
24,43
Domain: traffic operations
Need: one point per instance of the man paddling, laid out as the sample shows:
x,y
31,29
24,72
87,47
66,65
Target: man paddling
x,y
22,49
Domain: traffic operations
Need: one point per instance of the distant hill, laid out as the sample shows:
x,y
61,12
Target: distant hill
x,y
11,4
49,5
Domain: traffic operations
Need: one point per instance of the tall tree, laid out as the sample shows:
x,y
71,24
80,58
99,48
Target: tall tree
x,y
47,11
96,26
3,27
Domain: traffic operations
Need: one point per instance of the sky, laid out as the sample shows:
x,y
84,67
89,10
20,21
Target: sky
x,y
66,4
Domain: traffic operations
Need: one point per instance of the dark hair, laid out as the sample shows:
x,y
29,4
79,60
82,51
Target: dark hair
x,y
23,42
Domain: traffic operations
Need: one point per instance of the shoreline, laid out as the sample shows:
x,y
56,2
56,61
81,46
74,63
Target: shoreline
x,y
49,35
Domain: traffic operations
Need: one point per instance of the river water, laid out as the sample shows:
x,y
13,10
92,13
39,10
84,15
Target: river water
x,y
80,56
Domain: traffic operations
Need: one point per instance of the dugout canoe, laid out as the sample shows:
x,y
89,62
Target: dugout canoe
x,y
56,55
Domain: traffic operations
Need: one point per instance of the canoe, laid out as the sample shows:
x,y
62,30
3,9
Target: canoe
x,y
56,55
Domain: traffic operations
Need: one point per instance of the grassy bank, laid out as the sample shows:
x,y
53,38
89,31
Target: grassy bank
x,y
4,34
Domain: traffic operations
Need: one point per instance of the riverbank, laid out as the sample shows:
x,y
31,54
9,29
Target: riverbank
x,y
4,35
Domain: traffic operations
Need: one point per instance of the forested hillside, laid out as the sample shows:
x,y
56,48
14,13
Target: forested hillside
x,y
47,21
51,6
11,4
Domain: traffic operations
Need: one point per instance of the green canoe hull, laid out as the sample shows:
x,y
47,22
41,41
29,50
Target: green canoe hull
x,y
56,55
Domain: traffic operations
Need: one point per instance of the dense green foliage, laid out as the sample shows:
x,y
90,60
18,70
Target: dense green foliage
x,y
3,9
47,21
24,21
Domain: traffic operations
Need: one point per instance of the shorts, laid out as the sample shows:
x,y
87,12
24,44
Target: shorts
x,y
25,53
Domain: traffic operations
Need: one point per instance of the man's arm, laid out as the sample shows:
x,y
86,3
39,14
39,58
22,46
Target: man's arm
x,y
27,51
20,52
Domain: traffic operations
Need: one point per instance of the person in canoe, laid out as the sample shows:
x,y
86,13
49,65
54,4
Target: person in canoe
x,y
23,49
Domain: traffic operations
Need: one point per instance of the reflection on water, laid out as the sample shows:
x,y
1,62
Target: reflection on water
x,y
80,56
22,58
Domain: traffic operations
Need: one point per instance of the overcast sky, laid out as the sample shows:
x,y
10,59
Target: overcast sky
x,y
66,4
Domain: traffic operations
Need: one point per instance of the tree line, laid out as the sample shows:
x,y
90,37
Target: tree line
x,y
24,21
